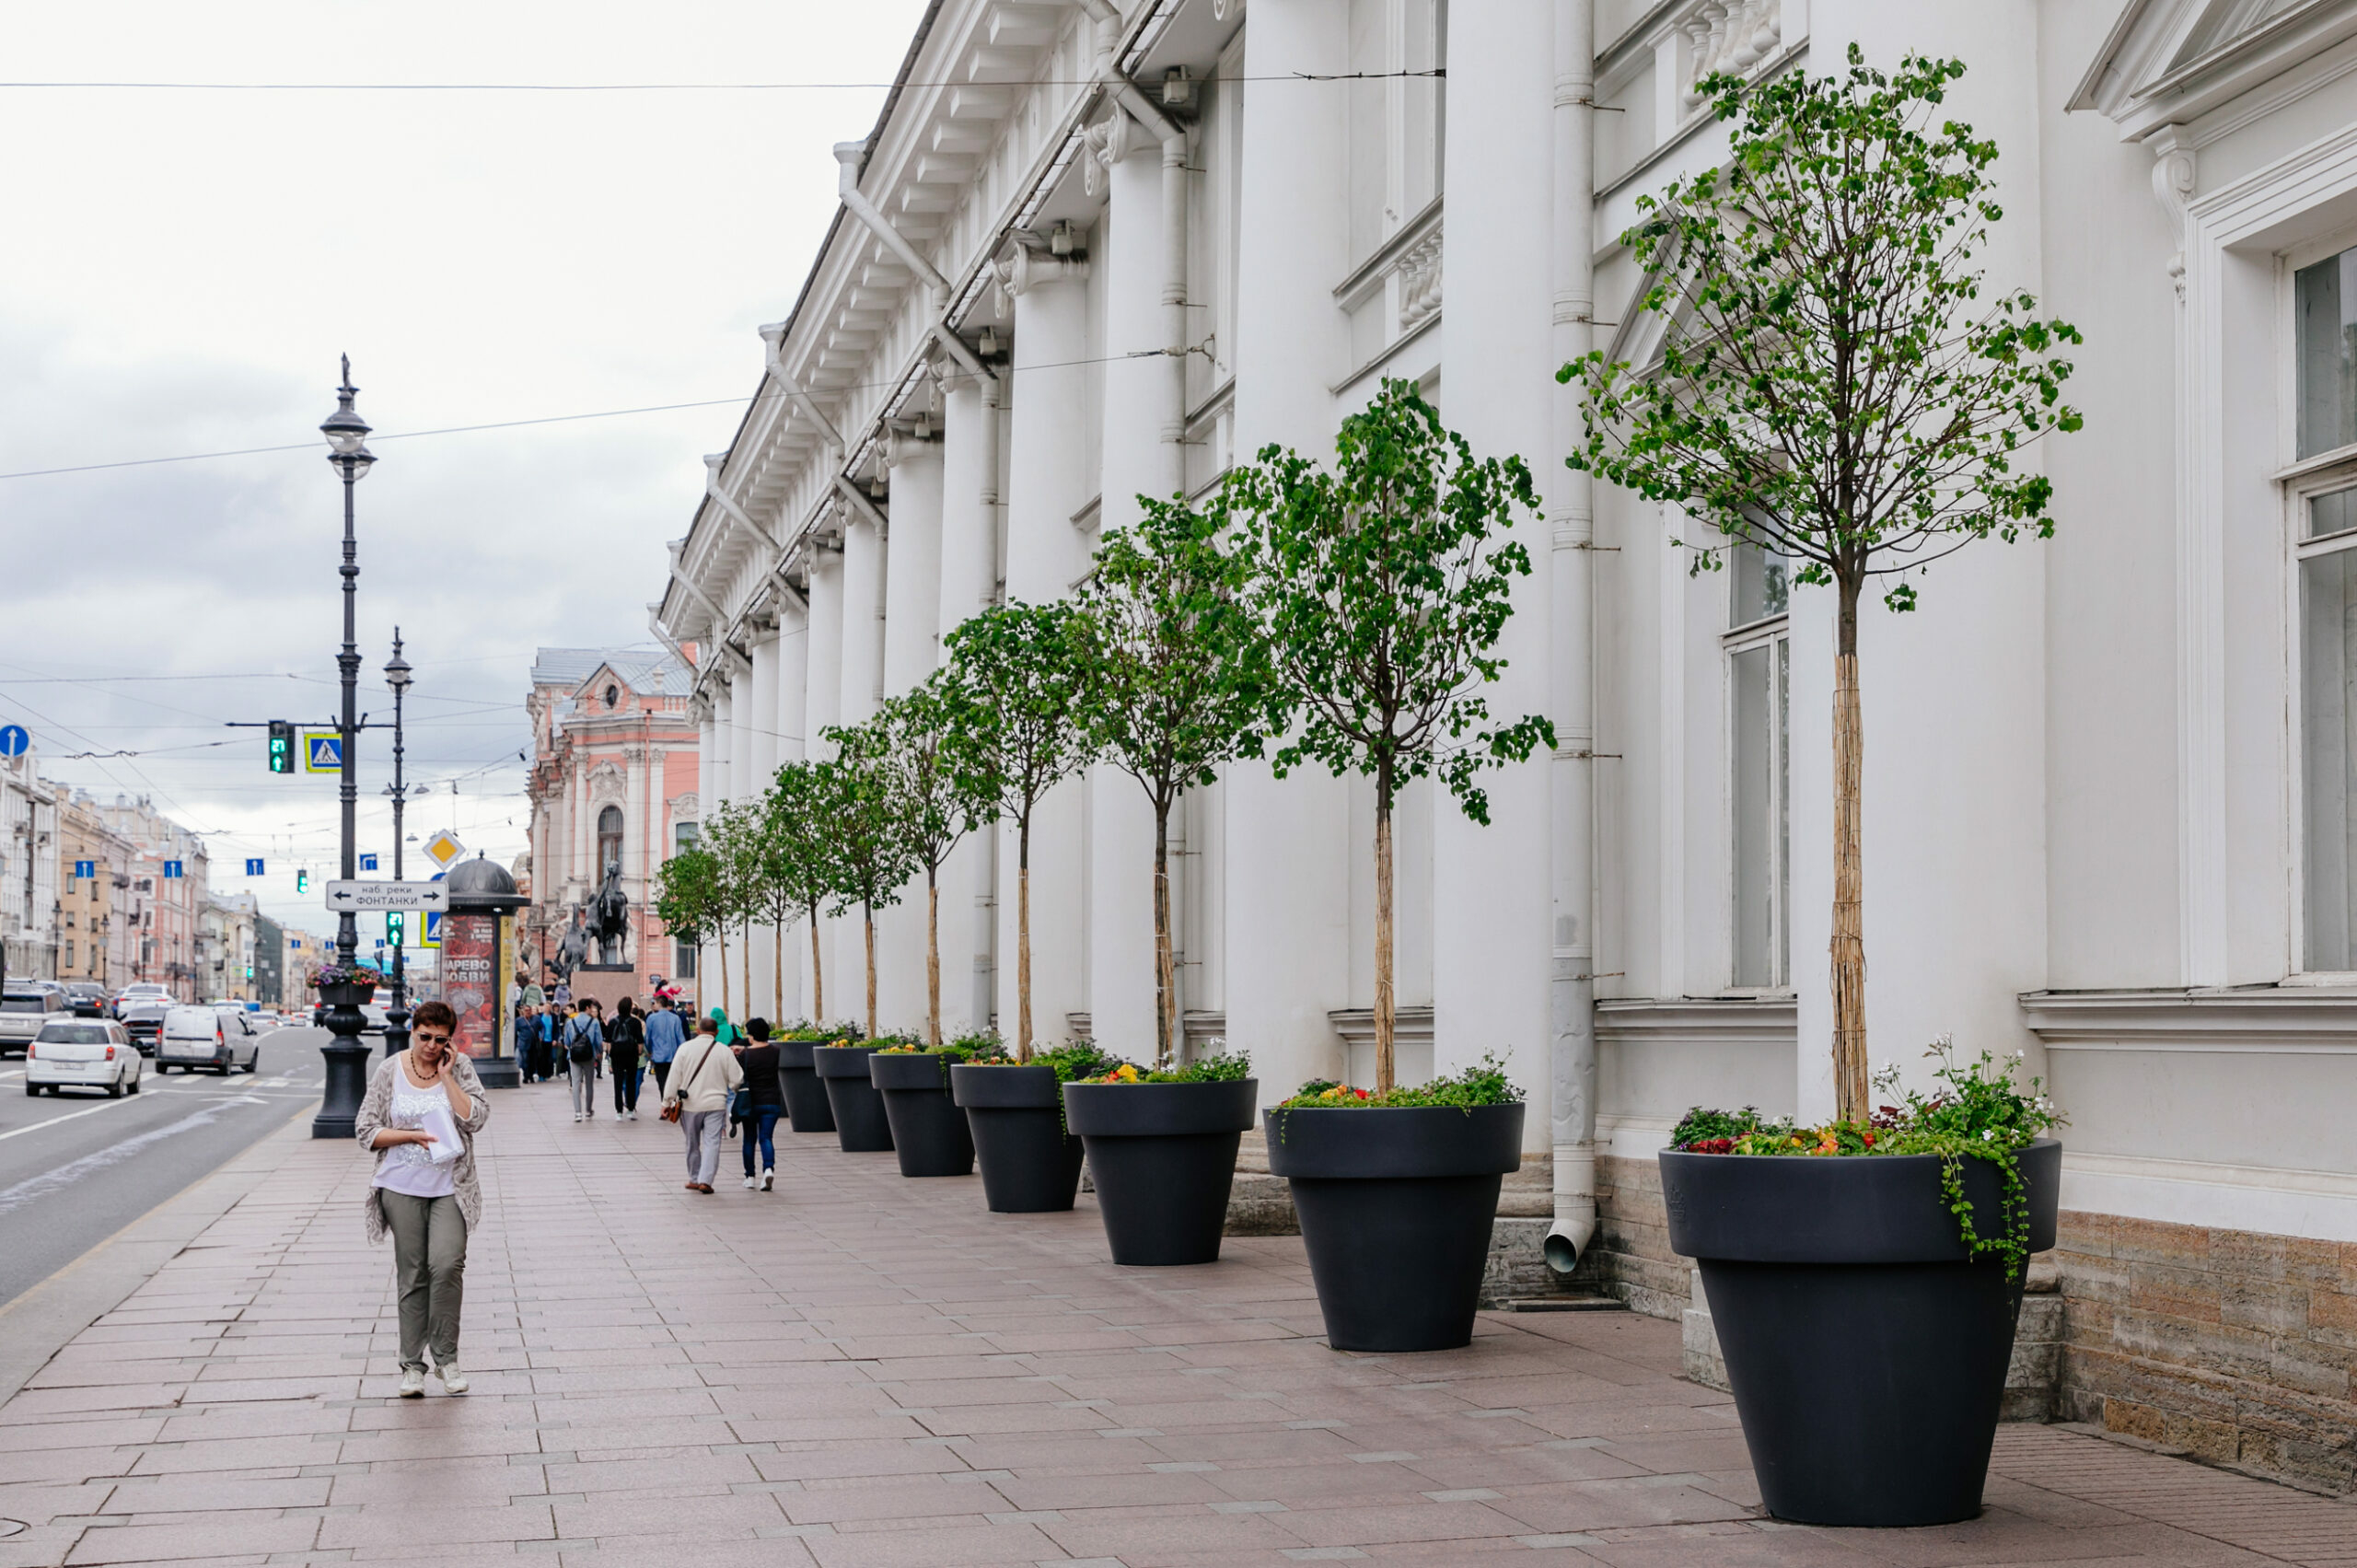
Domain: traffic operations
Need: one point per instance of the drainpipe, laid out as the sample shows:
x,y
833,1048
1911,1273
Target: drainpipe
x,y
1572,981
773,340
712,463
849,156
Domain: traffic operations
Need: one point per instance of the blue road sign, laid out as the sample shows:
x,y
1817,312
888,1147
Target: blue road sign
x,y
14,741
253,868
171,870
86,868
322,751
432,937
368,862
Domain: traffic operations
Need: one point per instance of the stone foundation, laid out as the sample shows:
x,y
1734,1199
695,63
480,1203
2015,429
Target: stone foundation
x,y
2235,1347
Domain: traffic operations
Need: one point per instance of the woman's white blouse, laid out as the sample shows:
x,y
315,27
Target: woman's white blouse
x,y
408,1168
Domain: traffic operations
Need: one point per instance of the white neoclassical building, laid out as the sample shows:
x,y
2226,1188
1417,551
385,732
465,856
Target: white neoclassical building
x,y
1090,250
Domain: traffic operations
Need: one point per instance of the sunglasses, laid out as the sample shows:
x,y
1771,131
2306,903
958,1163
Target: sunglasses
x,y
422,1036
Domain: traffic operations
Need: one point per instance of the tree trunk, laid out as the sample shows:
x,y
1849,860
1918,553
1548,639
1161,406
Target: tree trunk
x,y
1165,973
723,945
777,935
1850,1086
817,971
868,910
1387,1010
932,958
1023,940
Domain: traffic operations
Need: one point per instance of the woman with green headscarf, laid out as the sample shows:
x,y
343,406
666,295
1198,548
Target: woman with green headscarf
x,y
724,1029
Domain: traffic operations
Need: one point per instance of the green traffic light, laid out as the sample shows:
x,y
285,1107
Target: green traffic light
x,y
302,881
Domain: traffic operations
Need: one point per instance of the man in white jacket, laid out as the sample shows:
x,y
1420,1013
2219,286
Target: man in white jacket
x,y
702,1076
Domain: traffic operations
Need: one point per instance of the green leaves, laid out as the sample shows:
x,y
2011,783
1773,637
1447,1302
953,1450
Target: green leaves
x,y
1830,384
863,817
1384,587
687,897
933,774
1010,688
796,858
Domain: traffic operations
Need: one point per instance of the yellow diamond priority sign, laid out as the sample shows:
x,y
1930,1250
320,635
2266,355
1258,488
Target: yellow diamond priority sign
x,y
444,848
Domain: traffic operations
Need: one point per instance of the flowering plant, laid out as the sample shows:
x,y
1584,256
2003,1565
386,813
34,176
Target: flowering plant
x,y
1222,1069
1077,1061
1482,1084
354,974
1976,1111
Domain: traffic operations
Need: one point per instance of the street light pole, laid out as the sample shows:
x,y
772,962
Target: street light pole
x,y
346,1057
397,676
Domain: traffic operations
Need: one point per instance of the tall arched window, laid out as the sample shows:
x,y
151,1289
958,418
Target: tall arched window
x,y
609,837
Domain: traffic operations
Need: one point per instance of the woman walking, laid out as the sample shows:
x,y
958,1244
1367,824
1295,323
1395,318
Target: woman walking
x,y
625,1037
584,1040
702,1076
764,1102
422,1113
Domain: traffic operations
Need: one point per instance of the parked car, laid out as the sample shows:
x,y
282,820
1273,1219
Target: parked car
x,y
89,998
83,1053
28,1007
218,1038
143,1020
140,994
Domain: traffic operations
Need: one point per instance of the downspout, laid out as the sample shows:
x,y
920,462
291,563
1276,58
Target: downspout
x,y
849,156
1572,982
712,463
772,343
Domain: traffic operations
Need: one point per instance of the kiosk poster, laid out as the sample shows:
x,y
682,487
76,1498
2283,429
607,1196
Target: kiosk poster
x,y
469,948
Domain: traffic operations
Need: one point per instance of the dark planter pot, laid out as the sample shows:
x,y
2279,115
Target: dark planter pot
x,y
860,1124
347,994
1395,1211
1867,1356
1162,1157
805,1098
928,1130
1029,1164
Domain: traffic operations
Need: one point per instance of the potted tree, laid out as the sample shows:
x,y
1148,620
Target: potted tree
x,y
731,836
1030,1160
1385,584
1161,1147
868,863
1834,386
797,870
687,897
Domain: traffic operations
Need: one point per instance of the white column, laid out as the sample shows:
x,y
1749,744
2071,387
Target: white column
x,y
824,706
969,585
1138,462
1492,904
911,637
758,720
1287,844
1046,484
792,723
863,602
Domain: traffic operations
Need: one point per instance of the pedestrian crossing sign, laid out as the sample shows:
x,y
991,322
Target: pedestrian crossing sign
x,y
322,751
432,937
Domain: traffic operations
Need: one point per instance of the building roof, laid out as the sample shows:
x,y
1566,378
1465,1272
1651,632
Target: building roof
x,y
647,672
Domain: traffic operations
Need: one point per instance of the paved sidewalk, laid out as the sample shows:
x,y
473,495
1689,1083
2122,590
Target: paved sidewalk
x,y
862,1372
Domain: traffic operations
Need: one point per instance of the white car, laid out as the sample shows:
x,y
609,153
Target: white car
x,y
218,1038
29,1007
88,1053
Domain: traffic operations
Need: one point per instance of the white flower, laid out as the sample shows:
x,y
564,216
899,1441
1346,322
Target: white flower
x,y
1988,1136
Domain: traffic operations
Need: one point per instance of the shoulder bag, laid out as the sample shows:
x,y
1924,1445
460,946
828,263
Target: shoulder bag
x,y
678,1101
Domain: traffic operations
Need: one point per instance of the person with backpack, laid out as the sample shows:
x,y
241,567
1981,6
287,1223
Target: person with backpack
x,y
666,1032
625,1037
707,1075
584,1040
760,1103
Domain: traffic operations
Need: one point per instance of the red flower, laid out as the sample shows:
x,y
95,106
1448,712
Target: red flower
x,y
1362,1094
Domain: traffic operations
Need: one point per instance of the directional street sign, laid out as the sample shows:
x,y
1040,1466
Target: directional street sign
x,y
83,868
363,897
171,870
322,751
368,862
14,741
444,847
253,868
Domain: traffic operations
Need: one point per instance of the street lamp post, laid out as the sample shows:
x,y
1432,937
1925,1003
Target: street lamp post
x,y
347,1058
397,676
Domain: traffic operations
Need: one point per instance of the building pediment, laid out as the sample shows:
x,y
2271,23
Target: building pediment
x,y
2169,62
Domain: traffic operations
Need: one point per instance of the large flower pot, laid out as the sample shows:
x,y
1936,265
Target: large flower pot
x,y
806,1097
1162,1157
860,1124
1030,1165
347,993
928,1130
1866,1354
1395,1211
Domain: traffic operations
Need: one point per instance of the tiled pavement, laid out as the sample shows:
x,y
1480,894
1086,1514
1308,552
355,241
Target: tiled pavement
x,y
862,1372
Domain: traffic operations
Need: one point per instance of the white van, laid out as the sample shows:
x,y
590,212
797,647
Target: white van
x,y
217,1037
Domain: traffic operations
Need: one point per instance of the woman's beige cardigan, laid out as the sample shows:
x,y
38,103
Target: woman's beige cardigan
x,y
371,1121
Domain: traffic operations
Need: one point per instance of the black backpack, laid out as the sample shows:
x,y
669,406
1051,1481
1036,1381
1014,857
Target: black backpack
x,y
578,1045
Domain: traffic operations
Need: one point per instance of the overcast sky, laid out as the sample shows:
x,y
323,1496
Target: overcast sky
x,y
183,269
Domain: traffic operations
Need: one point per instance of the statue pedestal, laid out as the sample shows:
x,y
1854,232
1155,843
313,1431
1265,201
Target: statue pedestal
x,y
609,983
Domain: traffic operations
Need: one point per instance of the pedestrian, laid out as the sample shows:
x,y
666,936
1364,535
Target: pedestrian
x,y
666,1032
707,1071
764,1101
543,1043
585,1042
625,1042
528,1039
423,1111
726,1031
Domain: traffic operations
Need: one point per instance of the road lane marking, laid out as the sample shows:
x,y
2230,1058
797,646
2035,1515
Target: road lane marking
x,y
63,1175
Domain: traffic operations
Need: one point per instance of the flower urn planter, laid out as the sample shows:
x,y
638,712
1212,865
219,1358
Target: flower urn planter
x,y
858,1110
928,1130
1397,1206
1162,1157
1030,1165
347,993
1867,1353
806,1097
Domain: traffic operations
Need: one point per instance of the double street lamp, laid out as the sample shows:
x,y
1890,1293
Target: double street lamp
x,y
397,676
347,1058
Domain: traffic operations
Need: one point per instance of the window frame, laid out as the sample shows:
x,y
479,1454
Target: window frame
x,y
1765,632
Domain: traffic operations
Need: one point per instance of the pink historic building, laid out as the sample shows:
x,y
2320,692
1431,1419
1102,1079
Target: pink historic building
x,y
613,782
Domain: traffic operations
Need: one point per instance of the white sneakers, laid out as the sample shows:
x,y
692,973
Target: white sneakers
x,y
631,1115
576,1117
769,1179
751,1182
413,1382
453,1380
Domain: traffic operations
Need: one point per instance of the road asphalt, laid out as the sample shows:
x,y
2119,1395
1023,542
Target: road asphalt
x,y
77,1166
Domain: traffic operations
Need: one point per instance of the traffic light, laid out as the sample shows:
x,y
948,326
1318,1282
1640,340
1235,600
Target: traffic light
x,y
281,747
394,922
302,881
